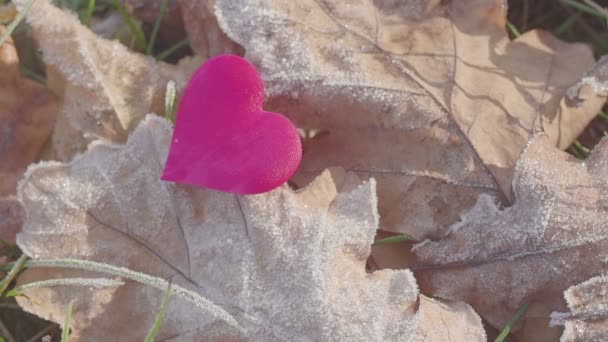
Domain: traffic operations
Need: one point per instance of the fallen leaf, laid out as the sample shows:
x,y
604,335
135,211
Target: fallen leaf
x,y
588,316
27,115
109,88
289,265
431,98
206,37
554,236
11,218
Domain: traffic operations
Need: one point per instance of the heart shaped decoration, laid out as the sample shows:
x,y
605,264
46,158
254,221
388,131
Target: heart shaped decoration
x,y
223,140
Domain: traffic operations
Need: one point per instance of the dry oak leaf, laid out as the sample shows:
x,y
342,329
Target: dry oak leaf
x,y
27,116
108,86
431,98
588,316
204,33
288,265
554,236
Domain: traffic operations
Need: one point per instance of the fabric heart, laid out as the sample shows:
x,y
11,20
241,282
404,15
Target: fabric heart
x,y
223,140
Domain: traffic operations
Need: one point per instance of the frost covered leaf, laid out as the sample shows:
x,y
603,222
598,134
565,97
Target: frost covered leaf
x,y
588,316
430,98
554,236
206,37
288,265
27,115
109,88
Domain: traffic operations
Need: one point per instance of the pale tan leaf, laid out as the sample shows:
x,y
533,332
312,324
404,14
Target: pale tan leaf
x,y
588,316
288,265
206,37
429,97
27,115
554,236
109,88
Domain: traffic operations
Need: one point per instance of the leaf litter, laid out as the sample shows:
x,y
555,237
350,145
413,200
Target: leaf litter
x,y
554,236
430,100
109,88
27,114
438,82
294,274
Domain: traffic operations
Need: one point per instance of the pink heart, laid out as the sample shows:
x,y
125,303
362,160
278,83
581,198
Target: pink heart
x,y
223,139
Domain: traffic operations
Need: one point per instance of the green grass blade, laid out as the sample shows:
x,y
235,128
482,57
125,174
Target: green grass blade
x,y
159,20
142,278
12,273
65,331
172,49
393,239
89,13
15,22
581,147
513,30
136,31
566,25
170,101
159,316
584,8
507,329
603,115
32,74
82,282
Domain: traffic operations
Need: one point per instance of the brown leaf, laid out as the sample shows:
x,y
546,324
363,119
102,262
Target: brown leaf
x,y
27,115
431,98
206,37
288,265
588,316
554,236
109,88
11,218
